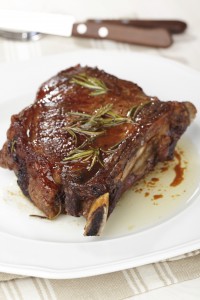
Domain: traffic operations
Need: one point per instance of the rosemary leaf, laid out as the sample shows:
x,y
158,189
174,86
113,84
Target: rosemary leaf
x,y
79,154
94,159
97,93
38,216
45,217
112,149
132,111
92,154
78,114
136,109
79,148
102,111
75,130
96,117
91,83
71,132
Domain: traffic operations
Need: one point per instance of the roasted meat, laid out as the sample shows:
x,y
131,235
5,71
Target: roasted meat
x,y
86,139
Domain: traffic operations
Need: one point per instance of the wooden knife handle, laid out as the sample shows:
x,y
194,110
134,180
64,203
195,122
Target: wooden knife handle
x,y
154,37
173,26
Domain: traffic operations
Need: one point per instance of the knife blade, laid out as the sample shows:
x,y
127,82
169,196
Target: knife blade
x,y
20,36
65,25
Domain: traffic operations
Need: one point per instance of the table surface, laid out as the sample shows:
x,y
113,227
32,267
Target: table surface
x,y
185,50
184,291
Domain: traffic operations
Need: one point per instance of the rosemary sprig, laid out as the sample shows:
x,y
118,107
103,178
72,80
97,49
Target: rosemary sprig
x,y
93,125
97,119
92,154
92,83
73,130
103,117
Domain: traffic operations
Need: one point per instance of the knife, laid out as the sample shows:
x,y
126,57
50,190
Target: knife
x,y
173,26
65,25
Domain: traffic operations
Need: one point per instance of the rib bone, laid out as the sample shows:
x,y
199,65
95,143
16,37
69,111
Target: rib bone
x,y
97,216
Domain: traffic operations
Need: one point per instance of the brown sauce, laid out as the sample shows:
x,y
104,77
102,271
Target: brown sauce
x,y
179,171
154,179
156,197
150,184
164,169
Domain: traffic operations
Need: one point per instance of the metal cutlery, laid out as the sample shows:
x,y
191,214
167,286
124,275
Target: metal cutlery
x,y
28,25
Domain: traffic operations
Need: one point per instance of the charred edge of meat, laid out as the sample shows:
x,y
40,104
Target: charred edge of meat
x,y
97,216
23,178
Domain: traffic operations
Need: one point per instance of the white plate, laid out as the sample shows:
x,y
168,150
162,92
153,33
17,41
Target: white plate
x,y
141,229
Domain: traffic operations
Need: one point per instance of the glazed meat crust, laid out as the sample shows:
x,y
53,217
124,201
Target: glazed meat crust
x,y
38,141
